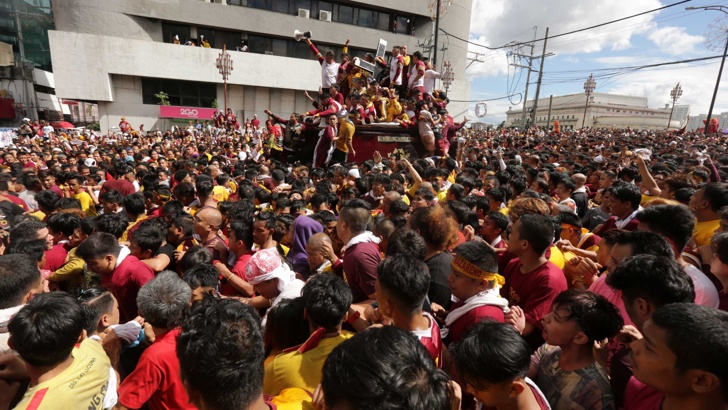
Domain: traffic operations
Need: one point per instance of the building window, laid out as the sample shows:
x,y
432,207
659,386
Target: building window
x,y
170,30
185,93
341,12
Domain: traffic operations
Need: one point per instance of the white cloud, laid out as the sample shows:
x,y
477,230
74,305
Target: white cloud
x,y
674,40
492,63
697,84
502,21
619,61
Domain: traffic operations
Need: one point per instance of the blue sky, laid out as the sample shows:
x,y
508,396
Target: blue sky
x,y
669,35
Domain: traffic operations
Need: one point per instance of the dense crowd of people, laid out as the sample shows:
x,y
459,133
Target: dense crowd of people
x,y
218,267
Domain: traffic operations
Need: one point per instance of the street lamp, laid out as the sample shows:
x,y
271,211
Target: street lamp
x,y
674,94
224,66
589,87
448,76
724,9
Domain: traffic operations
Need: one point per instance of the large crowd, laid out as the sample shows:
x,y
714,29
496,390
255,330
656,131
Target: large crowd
x,y
211,267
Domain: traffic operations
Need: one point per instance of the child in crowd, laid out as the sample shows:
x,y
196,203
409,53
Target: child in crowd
x,y
565,368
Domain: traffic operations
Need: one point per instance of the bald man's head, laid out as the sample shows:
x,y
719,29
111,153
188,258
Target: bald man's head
x,y
207,222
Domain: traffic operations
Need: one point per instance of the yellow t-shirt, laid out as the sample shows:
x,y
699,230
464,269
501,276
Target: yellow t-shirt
x,y
81,385
87,203
71,271
504,211
647,198
219,193
557,257
125,235
346,134
302,370
703,231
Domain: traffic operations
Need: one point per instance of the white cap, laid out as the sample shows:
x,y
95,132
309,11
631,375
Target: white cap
x,y
354,172
90,162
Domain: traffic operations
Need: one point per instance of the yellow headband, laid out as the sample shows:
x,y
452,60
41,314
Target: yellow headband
x,y
468,269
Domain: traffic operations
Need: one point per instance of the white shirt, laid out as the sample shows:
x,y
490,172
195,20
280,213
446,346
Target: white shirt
x,y
430,77
705,292
329,74
47,129
393,71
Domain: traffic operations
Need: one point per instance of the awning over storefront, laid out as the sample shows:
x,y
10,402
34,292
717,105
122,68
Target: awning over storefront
x,y
190,113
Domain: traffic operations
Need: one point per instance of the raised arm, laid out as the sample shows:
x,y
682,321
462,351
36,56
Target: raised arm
x,y
648,182
315,51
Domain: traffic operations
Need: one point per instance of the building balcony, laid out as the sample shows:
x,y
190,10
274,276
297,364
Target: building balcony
x,y
84,64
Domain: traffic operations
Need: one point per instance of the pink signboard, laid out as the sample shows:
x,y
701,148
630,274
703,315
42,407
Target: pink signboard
x,y
192,113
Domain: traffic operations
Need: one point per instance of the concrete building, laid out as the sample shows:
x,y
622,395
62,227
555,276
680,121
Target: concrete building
x,y
120,53
696,121
602,110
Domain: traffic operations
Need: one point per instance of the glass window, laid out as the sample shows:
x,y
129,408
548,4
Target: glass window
x,y
170,30
383,21
259,4
302,4
325,6
279,47
366,18
346,15
238,2
281,6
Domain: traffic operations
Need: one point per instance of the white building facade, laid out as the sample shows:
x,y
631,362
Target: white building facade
x,y
120,53
602,110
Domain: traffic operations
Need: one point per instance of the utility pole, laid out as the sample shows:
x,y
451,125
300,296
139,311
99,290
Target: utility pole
x,y
548,118
529,68
437,29
540,77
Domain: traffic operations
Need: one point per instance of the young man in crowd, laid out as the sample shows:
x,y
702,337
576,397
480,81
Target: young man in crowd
x,y
647,282
327,300
682,356
675,223
531,281
240,241
493,360
402,285
395,366
155,381
122,272
66,369
361,257
475,285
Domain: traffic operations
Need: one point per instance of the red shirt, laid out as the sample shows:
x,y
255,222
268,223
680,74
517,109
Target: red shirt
x,y
360,269
533,291
460,327
121,185
639,396
56,256
431,339
238,270
17,201
125,282
156,380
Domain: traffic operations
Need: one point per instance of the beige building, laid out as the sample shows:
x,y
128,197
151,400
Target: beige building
x,y
121,53
602,110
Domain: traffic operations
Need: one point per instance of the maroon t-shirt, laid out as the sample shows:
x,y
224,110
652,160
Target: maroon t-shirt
x,y
460,327
56,256
534,292
125,282
121,185
360,269
612,224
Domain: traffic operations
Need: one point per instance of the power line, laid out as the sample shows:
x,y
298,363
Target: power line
x,y
490,99
569,32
